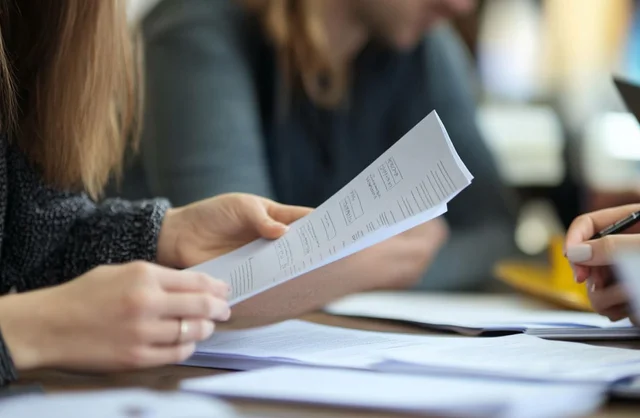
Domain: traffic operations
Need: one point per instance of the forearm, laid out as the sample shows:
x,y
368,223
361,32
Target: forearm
x,y
396,263
17,348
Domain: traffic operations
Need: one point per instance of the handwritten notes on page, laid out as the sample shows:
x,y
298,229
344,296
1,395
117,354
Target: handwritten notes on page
x,y
430,395
411,183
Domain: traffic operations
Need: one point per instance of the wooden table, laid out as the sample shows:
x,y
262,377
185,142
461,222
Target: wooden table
x,y
167,378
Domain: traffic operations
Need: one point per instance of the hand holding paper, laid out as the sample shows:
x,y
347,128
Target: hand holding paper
x,y
408,185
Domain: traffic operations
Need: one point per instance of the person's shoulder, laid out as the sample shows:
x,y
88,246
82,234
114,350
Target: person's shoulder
x,y
169,15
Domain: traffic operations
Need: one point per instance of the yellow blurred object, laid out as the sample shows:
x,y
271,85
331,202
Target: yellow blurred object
x,y
553,282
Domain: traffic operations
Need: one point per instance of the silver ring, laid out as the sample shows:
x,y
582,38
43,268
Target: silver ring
x,y
184,328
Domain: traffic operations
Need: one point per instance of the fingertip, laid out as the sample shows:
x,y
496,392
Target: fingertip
x,y
273,229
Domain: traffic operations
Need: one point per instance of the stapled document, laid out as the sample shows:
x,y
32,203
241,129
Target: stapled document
x,y
411,183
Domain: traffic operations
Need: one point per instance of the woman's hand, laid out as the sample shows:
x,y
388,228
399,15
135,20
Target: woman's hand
x,y
591,259
113,318
205,230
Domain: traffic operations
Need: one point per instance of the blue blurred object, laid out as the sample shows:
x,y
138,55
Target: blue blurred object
x,y
632,52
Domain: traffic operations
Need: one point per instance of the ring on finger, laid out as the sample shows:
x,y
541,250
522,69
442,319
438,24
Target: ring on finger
x,y
183,330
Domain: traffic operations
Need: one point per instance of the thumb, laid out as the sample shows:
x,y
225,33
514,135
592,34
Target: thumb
x,y
265,225
600,252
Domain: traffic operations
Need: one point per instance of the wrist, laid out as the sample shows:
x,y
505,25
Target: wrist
x,y
21,328
166,252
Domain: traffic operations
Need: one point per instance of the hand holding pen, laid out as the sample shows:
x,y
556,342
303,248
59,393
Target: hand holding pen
x,y
591,241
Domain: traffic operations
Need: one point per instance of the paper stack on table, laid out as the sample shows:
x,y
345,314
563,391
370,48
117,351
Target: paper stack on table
x,y
124,403
477,314
517,357
298,342
433,395
408,185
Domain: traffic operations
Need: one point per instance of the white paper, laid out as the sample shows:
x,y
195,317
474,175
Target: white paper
x,y
433,395
298,341
472,311
124,403
627,267
517,356
409,184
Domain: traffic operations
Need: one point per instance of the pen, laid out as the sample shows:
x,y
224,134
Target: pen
x,y
619,226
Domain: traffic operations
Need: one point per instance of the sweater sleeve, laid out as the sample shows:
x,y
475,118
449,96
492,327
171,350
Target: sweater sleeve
x,y
202,130
52,236
8,372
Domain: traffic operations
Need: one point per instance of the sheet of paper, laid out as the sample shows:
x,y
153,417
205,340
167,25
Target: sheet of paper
x,y
627,267
409,184
300,342
517,356
126,403
521,356
433,395
481,312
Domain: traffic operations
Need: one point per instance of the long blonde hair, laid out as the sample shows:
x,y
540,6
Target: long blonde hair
x,y
67,87
296,29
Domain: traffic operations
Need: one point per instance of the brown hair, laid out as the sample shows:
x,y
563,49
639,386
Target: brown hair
x,y
67,87
298,33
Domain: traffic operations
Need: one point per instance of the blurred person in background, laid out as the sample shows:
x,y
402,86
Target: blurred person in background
x,y
291,99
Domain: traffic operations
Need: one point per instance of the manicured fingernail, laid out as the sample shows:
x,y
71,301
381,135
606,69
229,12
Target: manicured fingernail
x,y
591,284
579,253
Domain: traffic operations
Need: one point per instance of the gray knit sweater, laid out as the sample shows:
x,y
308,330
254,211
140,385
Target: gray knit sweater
x,y
49,236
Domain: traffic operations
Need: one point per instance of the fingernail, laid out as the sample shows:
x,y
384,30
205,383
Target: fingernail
x,y
591,284
226,315
208,328
276,224
579,253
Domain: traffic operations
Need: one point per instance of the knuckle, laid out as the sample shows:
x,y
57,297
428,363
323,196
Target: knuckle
x,y
141,272
207,305
138,332
608,245
138,302
203,281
